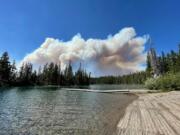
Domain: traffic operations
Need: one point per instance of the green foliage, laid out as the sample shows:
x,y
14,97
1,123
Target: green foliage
x,y
7,70
150,83
81,77
169,81
69,76
25,75
148,63
170,62
169,65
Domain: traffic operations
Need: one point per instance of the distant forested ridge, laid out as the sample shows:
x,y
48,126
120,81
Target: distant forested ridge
x,y
49,74
133,78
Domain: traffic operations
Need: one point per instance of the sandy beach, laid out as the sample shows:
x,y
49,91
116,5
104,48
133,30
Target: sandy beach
x,y
152,114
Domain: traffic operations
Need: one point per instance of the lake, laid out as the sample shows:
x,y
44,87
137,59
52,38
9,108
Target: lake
x,y
51,110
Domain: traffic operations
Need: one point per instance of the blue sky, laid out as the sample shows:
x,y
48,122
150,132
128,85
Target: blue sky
x,y
24,24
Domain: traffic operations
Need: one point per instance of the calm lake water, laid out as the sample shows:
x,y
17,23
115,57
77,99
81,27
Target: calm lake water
x,y
51,111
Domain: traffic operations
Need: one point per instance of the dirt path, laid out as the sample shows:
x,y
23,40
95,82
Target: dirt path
x,y
152,114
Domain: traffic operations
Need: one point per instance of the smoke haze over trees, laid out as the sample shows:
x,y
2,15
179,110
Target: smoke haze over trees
x,y
167,64
52,74
49,74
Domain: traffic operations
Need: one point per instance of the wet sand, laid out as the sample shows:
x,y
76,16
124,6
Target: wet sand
x,y
113,116
152,114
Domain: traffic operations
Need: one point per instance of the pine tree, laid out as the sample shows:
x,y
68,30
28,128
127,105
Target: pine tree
x,y
5,69
13,74
25,74
68,73
148,64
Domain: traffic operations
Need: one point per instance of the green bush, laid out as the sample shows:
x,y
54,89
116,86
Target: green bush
x,y
150,83
166,82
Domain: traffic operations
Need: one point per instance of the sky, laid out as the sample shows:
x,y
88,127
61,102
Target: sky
x,y
25,24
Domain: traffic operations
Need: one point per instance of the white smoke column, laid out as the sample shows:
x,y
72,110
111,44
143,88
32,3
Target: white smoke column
x,y
119,54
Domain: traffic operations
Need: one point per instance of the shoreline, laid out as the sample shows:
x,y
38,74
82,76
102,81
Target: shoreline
x,y
115,115
152,114
117,112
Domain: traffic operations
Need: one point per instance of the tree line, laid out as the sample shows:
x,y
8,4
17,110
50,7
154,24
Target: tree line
x,y
169,72
166,63
49,74
132,78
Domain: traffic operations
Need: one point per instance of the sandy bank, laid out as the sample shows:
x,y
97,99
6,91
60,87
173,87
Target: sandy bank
x,y
152,114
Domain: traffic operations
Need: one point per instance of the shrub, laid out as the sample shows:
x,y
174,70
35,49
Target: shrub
x,y
166,82
150,83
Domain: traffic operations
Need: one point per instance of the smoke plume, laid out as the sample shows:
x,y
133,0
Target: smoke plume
x,y
119,54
